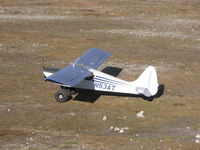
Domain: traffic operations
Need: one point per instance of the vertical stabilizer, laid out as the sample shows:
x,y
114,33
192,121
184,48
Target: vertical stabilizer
x,y
147,83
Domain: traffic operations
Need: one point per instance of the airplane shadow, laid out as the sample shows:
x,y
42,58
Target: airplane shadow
x,y
92,96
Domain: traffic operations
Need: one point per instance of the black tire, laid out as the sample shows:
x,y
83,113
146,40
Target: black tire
x,y
62,96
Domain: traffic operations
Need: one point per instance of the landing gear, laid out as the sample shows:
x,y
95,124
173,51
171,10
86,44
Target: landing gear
x,y
64,94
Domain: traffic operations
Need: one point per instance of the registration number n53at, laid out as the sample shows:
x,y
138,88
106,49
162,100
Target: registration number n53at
x,y
104,86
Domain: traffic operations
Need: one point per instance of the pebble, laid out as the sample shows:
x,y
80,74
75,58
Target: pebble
x,y
140,114
198,136
111,127
117,129
188,128
104,118
125,117
121,131
72,114
197,141
31,139
125,128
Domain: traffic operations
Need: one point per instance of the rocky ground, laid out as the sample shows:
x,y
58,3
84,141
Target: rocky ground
x,y
138,33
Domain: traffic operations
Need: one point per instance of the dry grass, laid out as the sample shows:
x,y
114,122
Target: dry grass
x,y
138,33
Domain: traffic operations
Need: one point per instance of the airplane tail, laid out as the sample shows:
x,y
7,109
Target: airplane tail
x,y
147,83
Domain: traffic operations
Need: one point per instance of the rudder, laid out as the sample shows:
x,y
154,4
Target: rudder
x,y
147,83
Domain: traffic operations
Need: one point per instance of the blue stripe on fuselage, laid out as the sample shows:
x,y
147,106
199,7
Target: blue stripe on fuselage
x,y
103,81
108,80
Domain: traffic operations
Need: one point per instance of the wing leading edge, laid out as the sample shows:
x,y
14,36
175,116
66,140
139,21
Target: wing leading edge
x,y
75,73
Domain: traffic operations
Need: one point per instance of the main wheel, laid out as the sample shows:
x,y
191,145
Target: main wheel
x,y
62,95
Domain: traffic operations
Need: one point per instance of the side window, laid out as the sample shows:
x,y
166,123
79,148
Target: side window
x,y
89,77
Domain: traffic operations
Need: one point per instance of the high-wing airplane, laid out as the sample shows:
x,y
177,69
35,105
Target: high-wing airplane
x,y
82,74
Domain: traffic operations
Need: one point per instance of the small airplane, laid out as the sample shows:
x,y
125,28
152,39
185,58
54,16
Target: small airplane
x,y
82,74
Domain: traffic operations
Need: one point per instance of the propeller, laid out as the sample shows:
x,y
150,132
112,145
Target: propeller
x,y
43,66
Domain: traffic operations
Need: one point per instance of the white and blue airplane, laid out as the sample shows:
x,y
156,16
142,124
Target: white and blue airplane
x,y
82,74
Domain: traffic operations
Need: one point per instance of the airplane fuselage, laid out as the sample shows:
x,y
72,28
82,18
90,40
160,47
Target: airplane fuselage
x,y
104,82
82,74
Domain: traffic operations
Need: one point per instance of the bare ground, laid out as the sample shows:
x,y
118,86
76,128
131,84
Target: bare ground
x,y
138,33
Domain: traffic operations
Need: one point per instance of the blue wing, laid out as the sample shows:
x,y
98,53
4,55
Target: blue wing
x,y
93,58
70,75
77,72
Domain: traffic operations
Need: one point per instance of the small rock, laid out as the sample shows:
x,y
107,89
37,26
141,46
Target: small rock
x,y
27,96
140,114
125,117
31,139
26,147
117,129
121,131
197,141
72,114
104,118
198,136
126,128
111,127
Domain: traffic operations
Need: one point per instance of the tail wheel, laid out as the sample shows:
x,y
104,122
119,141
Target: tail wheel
x,y
62,95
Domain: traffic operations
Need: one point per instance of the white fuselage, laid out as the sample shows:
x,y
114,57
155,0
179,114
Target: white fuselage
x,y
104,82
146,84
